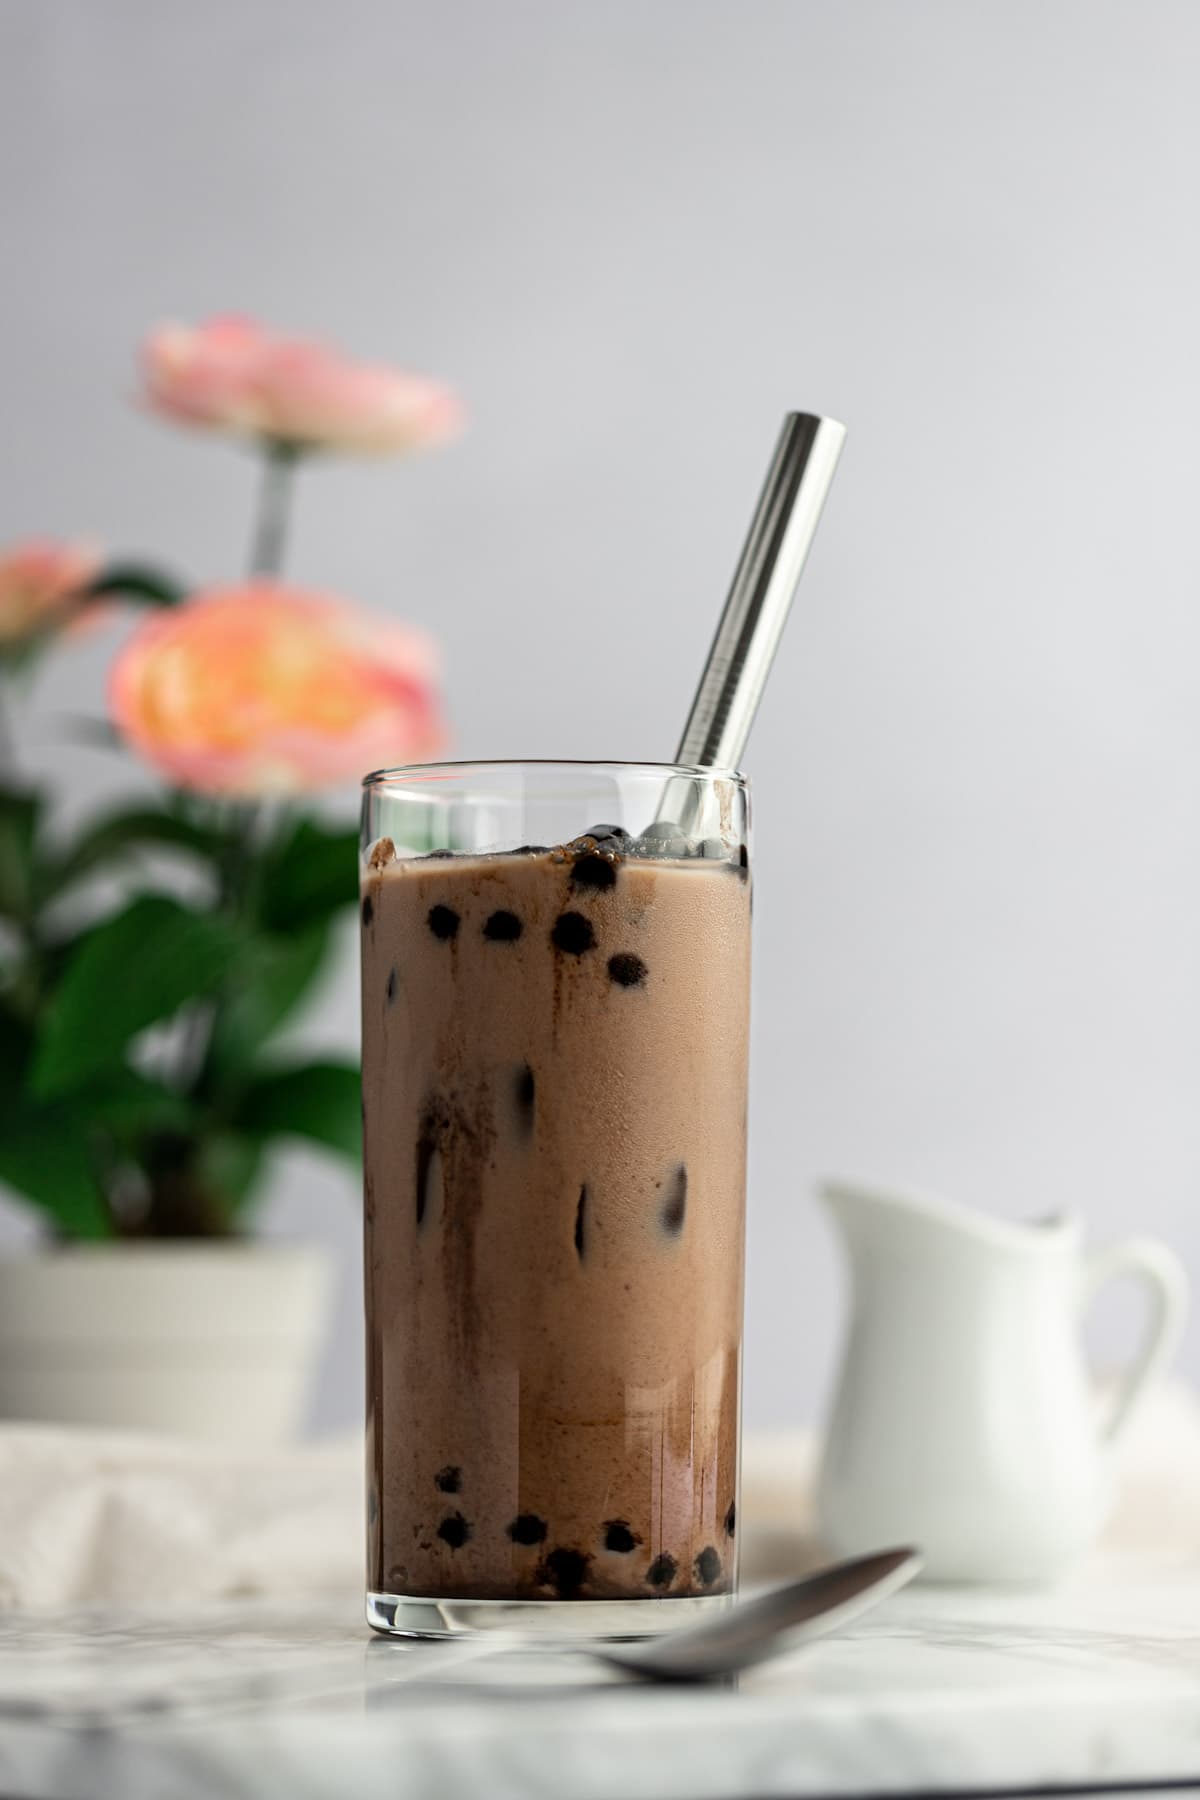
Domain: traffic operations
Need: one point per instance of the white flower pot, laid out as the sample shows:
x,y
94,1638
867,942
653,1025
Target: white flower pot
x,y
203,1340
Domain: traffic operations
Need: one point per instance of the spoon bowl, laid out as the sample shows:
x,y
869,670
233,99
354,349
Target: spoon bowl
x,y
753,1630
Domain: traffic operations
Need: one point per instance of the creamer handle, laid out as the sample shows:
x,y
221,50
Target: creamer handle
x,y
1165,1281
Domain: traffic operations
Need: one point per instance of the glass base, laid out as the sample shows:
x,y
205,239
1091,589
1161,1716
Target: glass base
x,y
538,1621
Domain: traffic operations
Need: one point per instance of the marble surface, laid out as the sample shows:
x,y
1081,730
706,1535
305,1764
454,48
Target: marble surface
x,y
1096,1683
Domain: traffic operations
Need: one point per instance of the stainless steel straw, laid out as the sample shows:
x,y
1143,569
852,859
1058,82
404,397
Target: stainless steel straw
x,y
772,562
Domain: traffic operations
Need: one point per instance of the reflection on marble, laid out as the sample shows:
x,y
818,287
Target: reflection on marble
x,y
1097,1682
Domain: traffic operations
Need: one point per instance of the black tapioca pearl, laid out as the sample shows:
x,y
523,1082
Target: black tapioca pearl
x,y
502,927
662,1571
581,1223
665,838
626,969
443,921
673,1210
449,1479
524,1098
731,1519
618,1537
392,984
707,1566
368,910
600,832
573,933
529,850
743,861
454,1530
593,871
565,1571
527,1528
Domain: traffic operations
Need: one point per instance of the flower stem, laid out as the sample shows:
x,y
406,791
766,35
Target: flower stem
x,y
8,737
239,866
274,508
239,861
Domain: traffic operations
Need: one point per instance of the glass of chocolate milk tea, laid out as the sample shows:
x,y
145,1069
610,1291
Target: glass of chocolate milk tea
x,y
556,984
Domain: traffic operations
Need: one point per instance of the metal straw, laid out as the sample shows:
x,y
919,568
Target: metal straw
x,y
772,562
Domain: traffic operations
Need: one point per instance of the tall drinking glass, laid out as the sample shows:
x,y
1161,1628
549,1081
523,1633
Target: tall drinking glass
x,y
556,984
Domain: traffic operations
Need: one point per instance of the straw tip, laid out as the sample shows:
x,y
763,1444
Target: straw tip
x,y
814,420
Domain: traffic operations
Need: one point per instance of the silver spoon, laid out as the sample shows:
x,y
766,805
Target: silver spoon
x,y
753,1630
749,1632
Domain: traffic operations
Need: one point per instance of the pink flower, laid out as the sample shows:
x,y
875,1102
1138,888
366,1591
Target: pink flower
x,y
266,689
39,583
234,375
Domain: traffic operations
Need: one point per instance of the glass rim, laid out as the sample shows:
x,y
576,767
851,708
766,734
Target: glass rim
x,y
415,772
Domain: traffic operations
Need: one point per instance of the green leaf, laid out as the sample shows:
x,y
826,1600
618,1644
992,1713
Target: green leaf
x,y
130,1105
312,874
16,1042
229,1167
125,974
272,979
320,1101
120,833
18,829
44,1155
137,582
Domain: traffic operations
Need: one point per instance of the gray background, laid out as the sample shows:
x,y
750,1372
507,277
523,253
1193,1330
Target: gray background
x,y
633,234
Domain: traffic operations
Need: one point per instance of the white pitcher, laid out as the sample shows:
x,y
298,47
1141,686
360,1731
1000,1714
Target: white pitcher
x,y
964,1419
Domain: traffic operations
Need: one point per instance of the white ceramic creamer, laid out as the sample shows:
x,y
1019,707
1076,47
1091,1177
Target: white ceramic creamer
x,y
965,1420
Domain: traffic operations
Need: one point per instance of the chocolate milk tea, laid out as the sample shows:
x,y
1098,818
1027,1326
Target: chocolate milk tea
x,y
554,1074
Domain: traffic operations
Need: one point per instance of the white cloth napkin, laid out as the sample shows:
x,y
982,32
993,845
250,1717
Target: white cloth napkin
x,y
92,1518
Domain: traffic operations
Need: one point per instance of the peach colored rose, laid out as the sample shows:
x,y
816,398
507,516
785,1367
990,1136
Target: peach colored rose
x,y
39,581
234,375
267,689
